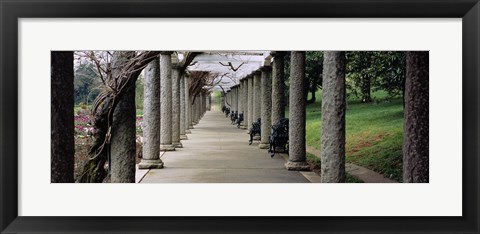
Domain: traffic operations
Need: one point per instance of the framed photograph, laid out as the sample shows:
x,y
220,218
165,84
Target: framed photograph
x,y
250,34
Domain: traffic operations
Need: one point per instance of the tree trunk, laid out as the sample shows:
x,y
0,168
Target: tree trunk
x,y
366,87
333,118
123,147
62,146
416,126
313,89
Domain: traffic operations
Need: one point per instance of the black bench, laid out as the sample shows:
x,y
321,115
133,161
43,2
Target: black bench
x,y
254,130
239,120
227,112
233,117
279,136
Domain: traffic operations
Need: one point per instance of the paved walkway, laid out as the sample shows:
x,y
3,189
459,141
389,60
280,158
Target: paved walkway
x,y
218,152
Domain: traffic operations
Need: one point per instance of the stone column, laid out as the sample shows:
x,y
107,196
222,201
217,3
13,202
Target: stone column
x,y
236,98
240,97
257,100
245,103
166,102
250,101
199,104
194,110
188,106
151,118
209,102
416,125
227,100
176,107
232,96
278,87
62,121
257,94
183,121
333,118
298,103
266,110
123,145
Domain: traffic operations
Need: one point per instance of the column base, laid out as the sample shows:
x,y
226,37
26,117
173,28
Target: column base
x,y
183,137
177,144
188,132
150,164
256,138
191,126
297,166
263,146
168,147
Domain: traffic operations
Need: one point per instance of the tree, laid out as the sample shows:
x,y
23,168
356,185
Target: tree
x,y
361,72
313,72
86,83
104,107
377,70
416,128
389,67
123,145
62,146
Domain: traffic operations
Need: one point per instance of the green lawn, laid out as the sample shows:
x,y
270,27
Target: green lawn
x,y
374,133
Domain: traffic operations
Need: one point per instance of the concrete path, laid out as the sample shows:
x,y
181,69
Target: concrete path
x,y
218,152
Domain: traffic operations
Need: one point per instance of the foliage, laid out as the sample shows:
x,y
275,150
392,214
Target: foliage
x,y
360,72
313,72
391,70
86,83
375,70
139,93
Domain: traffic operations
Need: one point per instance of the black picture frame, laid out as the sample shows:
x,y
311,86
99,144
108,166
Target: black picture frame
x,y
11,11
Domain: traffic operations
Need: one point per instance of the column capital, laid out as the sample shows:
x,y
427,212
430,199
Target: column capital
x,y
257,72
166,52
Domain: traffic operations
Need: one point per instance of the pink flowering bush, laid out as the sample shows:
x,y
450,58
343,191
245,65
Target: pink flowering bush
x,y
83,126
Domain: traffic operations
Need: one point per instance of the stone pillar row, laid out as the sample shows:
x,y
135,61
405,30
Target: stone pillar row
x,y
168,109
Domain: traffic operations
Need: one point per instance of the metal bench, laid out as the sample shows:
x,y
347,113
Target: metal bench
x,y
254,130
239,120
227,112
233,117
279,137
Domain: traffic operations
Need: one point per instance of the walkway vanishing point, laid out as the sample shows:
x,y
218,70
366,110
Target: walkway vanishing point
x,y
218,152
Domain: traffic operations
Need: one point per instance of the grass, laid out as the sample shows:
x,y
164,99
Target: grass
x,y
374,133
315,165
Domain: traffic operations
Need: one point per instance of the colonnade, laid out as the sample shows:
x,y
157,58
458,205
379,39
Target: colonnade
x,y
261,95
169,110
